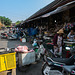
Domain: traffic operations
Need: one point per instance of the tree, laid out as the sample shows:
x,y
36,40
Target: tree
x,y
1,25
18,22
5,21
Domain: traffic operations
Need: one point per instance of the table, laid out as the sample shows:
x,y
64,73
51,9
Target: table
x,y
69,42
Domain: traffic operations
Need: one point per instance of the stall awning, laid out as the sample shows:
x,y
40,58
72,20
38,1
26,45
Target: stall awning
x,y
60,9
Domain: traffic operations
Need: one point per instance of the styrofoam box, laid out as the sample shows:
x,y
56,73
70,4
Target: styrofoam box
x,y
55,72
26,58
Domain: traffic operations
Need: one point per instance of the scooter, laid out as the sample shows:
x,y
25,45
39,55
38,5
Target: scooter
x,y
50,50
68,70
69,47
4,35
57,64
11,36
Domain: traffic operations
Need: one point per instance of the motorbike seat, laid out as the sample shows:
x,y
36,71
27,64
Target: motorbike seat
x,y
67,61
61,60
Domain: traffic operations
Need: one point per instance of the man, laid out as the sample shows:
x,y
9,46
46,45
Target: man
x,y
58,42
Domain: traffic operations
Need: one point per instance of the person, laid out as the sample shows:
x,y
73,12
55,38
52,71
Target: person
x,y
71,34
13,30
21,33
17,29
58,42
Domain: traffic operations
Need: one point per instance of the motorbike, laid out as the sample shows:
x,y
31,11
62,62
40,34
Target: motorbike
x,y
69,70
39,51
4,35
11,36
58,64
50,50
69,46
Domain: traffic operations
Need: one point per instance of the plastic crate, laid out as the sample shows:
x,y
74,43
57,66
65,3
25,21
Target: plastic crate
x,y
2,63
10,60
7,61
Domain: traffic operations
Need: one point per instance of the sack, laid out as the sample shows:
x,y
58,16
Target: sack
x,y
21,49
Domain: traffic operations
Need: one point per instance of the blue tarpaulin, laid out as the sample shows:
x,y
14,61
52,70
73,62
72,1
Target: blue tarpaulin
x,y
32,31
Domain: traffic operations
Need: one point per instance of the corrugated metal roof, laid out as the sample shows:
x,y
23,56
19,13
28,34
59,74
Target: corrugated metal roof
x,y
45,9
60,9
50,7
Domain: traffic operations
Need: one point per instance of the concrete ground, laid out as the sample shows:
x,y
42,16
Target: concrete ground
x,y
33,69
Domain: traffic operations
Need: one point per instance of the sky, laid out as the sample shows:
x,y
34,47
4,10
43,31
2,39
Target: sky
x,y
21,9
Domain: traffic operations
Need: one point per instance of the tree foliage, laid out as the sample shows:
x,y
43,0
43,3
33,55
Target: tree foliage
x,y
1,25
5,21
18,22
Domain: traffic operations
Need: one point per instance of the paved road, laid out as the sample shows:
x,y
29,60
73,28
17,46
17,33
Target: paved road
x,y
34,69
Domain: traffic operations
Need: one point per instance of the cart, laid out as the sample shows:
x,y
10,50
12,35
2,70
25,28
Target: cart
x,y
24,60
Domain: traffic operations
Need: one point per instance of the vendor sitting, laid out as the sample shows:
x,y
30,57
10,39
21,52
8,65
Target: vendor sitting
x,y
71,35
58,42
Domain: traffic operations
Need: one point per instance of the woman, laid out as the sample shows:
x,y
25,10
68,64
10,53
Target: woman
x,y
71,34
58,42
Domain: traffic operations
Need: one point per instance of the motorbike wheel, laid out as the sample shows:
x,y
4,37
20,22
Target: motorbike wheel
x,y
22,68
43,68
51,68
66,73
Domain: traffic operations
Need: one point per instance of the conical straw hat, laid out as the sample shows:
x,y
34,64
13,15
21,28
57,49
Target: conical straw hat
x,y
60,31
